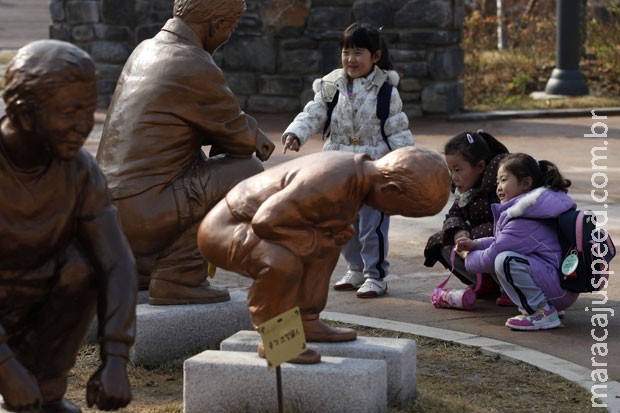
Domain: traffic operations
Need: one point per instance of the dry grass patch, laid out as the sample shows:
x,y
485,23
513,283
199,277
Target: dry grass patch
x,y
450,378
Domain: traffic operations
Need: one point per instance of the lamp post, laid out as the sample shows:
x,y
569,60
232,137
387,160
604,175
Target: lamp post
x,y
566,78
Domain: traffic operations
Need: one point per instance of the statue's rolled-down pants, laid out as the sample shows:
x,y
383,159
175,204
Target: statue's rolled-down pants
x,y
161,223
282,279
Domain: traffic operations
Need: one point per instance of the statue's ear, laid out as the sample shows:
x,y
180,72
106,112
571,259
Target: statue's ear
x,y
392,187
215,26
23,116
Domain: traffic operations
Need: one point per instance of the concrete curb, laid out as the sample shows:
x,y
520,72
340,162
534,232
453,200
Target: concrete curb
x,y
535,113
507,351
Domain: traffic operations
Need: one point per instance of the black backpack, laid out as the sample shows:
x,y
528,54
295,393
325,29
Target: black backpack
x,y
383,109
586,248
590,249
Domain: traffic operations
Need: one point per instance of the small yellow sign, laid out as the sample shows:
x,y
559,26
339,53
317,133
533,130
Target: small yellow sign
x,y
283,337
211,270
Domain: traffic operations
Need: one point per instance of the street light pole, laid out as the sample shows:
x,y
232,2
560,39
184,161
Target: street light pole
x,y
566,79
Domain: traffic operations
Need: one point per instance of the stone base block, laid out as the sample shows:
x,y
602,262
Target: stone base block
x,y
399,355
165,333
168,332
228,381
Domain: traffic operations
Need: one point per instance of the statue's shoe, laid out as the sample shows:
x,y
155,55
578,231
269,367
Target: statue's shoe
x,y
316,330
307,357
163,292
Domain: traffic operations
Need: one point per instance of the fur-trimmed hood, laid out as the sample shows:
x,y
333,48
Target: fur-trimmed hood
x,y
538,203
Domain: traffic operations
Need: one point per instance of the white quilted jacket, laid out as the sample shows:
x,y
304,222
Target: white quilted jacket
x,y
354,125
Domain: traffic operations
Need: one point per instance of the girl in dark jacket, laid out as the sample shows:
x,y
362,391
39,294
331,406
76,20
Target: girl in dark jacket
x,y
472,158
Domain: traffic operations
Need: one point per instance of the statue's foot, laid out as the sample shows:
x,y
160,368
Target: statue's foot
x,y
307,357
61,406
163,292
316,330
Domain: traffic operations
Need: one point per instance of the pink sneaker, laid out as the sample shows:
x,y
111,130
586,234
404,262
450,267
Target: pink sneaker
x,y
540,320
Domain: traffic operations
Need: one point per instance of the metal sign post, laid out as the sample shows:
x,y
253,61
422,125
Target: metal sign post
x,y
283,339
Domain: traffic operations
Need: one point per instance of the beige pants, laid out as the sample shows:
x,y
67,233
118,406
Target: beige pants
x,y
161,223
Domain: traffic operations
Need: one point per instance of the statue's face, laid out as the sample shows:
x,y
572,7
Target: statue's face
x,y
419,187
64,121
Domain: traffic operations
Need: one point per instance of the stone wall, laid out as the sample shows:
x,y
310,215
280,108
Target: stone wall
x,y
281,46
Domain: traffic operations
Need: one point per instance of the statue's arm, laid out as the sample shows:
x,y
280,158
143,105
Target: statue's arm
x,y
100,233
214,110
292,218
111,256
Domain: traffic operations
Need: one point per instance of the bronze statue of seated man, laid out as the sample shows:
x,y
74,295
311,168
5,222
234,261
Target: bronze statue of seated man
x,y
284,227
171,100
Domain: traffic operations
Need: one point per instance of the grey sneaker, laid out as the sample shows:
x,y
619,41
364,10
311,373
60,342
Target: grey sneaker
x,y
350,281
372,288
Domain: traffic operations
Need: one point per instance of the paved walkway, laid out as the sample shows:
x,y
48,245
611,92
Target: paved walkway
x,y
406,307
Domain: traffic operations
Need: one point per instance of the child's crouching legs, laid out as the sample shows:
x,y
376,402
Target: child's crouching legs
x,y
515,276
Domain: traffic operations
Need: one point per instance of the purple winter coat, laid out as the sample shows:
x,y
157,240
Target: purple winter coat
x,y
535,239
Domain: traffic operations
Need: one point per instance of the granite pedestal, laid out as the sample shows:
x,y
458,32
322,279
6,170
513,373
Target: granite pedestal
x,y
399,355
169,332
231,381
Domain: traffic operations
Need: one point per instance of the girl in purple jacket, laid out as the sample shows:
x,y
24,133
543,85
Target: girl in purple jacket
x,y
524,253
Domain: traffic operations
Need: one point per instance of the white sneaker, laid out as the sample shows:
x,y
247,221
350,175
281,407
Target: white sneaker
x,y
350,281
372,288
540,320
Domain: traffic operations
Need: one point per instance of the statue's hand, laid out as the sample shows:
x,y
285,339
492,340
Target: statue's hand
x,y
109,387
18,387
264,147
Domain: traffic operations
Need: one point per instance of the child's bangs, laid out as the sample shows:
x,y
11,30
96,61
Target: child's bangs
x,y
357,39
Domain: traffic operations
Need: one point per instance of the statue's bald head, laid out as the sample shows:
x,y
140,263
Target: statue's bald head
x,y
422,175
42,67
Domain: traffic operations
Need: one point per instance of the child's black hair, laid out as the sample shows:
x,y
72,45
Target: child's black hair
x,y
366,36
475,147
543,173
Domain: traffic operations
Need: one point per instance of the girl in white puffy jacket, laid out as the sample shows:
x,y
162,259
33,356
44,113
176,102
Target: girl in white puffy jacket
x,y
355,127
